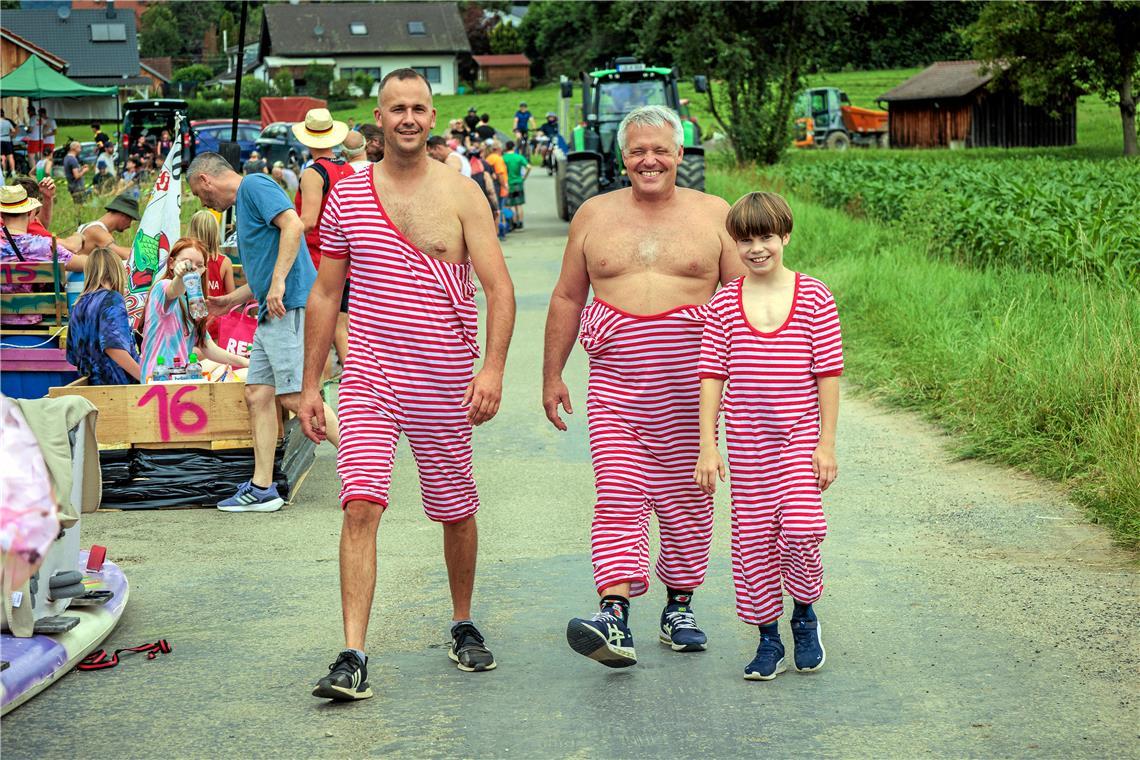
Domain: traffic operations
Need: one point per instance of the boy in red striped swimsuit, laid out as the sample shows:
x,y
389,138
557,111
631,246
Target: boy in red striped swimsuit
x,y
653,254
411,231
773,337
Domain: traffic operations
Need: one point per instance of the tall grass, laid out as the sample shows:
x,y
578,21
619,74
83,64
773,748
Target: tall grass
x,y
1033,370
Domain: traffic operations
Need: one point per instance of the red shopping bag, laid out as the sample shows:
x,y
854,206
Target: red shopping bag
x,y
234,330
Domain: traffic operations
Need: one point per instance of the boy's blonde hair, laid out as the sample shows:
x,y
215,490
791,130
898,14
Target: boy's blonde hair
x,y
759,214
104,266
204,229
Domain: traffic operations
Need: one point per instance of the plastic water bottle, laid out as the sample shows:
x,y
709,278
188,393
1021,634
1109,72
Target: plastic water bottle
x,y
161,373
193,282
193,368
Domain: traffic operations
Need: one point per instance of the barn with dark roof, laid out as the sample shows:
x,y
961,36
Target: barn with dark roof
x,y
949,104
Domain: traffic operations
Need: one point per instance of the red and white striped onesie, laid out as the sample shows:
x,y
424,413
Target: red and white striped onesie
x,y
412,329
643,406
771,411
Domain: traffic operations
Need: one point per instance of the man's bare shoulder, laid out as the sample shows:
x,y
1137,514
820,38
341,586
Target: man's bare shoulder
x,y
705,201
606,204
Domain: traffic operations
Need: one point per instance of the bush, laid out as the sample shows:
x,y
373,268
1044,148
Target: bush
x,y
254,89
318,77
223,109
283,82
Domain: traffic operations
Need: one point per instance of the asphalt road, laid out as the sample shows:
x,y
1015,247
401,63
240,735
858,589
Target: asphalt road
x,y
970,612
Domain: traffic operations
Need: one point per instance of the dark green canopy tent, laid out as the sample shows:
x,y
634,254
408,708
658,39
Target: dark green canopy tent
x,y
35,80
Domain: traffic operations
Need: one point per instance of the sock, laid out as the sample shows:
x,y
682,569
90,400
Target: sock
x,y
358,653
802,610
456,623
618,605
679,596
771,630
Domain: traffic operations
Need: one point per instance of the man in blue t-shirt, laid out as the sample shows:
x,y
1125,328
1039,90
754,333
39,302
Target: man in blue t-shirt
x,y
279,274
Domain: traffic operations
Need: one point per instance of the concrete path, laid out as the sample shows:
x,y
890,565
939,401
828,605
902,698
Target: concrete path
x,y
970,612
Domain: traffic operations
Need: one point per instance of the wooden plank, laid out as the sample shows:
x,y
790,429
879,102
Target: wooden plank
x,y
26,272
162,413
28,303
35,360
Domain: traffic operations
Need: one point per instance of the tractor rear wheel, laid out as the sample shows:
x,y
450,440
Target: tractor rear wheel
x,y
581,185
691,172
838,141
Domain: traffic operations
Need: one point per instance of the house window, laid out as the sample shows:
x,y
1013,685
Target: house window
x,y
358,29
416,28
431,73
108,32
349,73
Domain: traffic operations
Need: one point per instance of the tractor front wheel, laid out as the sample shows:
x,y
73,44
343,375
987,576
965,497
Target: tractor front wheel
x,y
580,186
838,141
691,172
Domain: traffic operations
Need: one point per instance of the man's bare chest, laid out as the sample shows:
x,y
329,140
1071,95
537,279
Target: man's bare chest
x,y
674,250
430,225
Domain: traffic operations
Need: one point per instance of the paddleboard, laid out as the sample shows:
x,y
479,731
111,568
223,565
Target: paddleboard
x,y
32,664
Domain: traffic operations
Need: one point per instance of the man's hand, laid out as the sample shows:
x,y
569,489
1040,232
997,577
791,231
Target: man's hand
x,y
710,465
274,305
47,187
311,412
218,305
555,392
824,466
483,396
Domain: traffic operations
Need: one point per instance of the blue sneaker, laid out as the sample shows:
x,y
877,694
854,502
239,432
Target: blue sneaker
x,y
769,660
679,629
250,498
809,653
605,637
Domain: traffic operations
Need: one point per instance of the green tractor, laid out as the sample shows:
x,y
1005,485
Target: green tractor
x,y
592,163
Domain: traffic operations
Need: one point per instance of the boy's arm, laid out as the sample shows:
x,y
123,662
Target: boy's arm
x,y
710,465
823,462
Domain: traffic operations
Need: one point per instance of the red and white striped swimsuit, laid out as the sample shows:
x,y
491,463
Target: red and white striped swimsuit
x,y
643,403
412,342
771,411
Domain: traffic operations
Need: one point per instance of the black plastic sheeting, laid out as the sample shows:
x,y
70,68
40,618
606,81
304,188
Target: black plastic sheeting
x,y
166,478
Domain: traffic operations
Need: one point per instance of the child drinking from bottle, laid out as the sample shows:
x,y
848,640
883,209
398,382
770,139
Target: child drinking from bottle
x,y
168,329
772,338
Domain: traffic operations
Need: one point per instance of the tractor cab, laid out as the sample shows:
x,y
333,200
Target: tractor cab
x,y
593,164
825,117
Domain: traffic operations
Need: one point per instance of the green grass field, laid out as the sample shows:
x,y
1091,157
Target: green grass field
x,y
1032,370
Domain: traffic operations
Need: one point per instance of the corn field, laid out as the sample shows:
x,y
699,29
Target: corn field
x,y
1040,214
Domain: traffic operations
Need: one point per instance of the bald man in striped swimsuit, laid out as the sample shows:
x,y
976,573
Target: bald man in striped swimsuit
x,y
410,232
654,255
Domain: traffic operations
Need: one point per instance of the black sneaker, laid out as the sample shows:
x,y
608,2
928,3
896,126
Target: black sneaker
x,y
605,637
468,651
679,629
347,679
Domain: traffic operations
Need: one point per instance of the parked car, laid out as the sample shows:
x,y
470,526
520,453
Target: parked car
x,y
208,134
148,118
278,143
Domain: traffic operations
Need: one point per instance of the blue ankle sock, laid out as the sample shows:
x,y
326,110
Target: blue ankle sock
x,y
801,610
358,653
772,629
456,623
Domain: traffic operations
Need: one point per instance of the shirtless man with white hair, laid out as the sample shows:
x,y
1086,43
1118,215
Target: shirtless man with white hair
x,y
654,254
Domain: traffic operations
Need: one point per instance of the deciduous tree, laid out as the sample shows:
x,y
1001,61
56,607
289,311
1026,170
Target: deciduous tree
x,y
1054,51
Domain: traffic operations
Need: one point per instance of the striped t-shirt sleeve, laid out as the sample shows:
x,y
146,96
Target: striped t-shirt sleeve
x,y
714,348
334,244
826,340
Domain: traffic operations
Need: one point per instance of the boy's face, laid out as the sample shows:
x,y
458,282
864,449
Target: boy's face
x,y
762,254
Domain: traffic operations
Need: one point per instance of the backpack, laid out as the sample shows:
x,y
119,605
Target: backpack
x,y
337,170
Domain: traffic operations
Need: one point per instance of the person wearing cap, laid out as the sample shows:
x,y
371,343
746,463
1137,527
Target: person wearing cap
x,y
354,152
524,121
17,245
549,131
320,133
471,120
279,275
118,216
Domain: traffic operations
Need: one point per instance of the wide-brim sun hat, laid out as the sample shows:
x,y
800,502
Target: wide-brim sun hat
x,y
14,200
125,205
319,130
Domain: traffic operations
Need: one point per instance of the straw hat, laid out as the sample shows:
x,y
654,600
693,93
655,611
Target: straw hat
x,y
14,200
319,130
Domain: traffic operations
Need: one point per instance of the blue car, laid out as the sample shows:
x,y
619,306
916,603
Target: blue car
x,y
210,133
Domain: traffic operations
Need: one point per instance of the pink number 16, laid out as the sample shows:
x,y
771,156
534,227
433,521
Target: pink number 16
x,y
187,417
